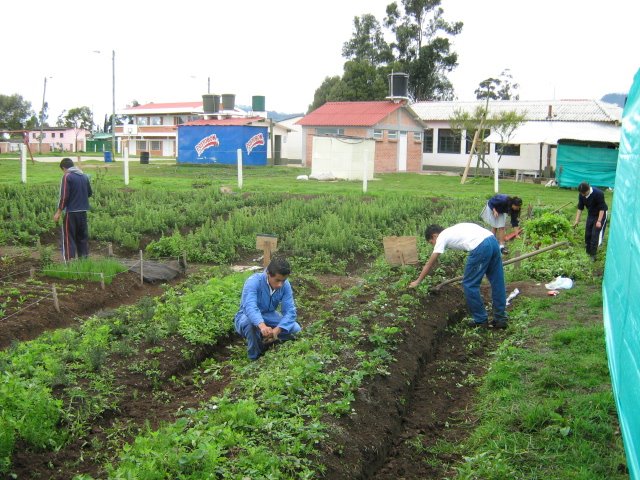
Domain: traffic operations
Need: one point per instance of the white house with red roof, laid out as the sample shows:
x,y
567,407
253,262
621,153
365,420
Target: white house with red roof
x,y
155,127
393,124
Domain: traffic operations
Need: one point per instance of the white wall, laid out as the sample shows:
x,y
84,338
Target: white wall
x,y
292,142
529,158
344,158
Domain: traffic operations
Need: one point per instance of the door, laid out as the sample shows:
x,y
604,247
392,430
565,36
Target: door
x,y
402,152
277,150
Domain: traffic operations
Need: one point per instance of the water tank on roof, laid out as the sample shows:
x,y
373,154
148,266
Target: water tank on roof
x,y
258,103
210,103
398,85
228,101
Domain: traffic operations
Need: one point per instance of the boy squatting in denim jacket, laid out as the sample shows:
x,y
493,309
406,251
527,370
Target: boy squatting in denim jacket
x,y
258,320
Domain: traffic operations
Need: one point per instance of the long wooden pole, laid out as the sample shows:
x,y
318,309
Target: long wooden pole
x,y
473,149
508,262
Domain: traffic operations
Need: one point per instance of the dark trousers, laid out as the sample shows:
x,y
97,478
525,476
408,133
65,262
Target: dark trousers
x,y
75,235
593,235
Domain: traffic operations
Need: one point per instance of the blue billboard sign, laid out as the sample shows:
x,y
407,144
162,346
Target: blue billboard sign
x,y
219,144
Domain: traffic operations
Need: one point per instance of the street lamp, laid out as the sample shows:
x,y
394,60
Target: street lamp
x,y
208,82
44,92
113,97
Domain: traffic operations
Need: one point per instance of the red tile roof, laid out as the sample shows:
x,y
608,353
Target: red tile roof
x,y
226,121
360,114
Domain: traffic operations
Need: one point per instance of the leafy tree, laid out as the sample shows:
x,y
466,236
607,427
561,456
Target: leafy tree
x,y
501,88
78,118
367,42
323,92
420,48
504,123
14,112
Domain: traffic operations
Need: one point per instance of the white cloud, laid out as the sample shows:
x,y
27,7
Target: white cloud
x,y
283,49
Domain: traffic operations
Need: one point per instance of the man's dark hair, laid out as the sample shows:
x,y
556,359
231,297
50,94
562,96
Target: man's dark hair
x,y
431,231
277,266
584,187
66,163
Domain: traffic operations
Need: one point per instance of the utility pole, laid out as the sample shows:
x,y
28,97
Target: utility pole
x,y
113,111
44,92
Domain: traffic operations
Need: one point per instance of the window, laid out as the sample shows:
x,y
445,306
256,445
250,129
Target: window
x,y
508,149
61,134
180,119
469,141
35,136
141,145
427,144
142,120
392,135
53,134
156,145
377,134
417,136
155,121
448,141
329,131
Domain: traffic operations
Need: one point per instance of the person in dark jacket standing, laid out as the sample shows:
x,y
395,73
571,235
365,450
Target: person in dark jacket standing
x,y
593,199
75,190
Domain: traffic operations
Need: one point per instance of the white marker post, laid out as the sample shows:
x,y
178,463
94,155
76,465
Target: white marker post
x,y
239,152
364,172
23,163
126,165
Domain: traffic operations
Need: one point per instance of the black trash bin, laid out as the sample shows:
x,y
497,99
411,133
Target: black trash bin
x,y
144,158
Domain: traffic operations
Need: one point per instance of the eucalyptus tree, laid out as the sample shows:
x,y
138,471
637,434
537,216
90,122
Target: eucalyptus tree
x,y
413,38
15,111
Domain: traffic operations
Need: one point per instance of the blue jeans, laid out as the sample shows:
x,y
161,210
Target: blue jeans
x,y
255,346
485,259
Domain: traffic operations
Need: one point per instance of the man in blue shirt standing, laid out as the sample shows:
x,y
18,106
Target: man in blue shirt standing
x,y
75,191
593,199
258,319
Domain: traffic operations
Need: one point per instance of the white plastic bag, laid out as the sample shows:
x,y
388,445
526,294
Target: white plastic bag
x,y
560,283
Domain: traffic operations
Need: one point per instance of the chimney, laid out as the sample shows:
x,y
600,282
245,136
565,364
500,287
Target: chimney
x,y
550,112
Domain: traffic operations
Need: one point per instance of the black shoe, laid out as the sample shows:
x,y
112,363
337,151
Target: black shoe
x,y
500,325
504,251
474,324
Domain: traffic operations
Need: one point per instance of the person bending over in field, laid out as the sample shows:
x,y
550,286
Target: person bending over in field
x,y
495,214
258,319
484,259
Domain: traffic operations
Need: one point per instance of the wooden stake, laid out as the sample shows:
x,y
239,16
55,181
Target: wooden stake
x,y
102,280
56,305
141,269
32,272
110,249
184,260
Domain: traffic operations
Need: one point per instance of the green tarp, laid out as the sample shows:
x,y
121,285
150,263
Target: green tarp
x,y
621,287
582,162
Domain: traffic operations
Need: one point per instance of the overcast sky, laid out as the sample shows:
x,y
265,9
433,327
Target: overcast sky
x,y
283,49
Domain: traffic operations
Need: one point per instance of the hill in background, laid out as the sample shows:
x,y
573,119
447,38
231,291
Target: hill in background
x,y
615,98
